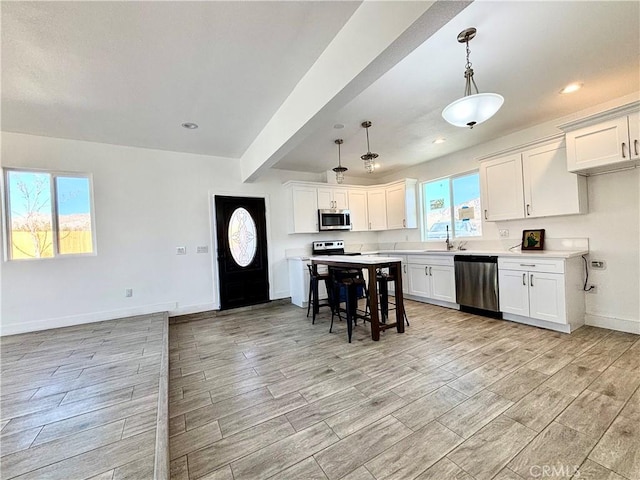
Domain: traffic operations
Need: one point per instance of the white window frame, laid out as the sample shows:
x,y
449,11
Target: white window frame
x,y
423,213
53,174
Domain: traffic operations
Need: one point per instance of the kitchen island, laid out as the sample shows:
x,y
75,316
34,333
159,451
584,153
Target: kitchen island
x,y
371,264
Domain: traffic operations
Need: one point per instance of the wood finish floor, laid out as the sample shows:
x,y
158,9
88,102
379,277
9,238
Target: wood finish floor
x,y
81,402
265,394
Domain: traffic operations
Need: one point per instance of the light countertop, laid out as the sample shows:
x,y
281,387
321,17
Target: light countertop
x,y
499,253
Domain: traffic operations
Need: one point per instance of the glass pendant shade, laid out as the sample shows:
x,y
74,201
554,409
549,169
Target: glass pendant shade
x,y
339,169
472,109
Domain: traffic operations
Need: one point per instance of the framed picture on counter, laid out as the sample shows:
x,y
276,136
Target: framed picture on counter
x,y
533,239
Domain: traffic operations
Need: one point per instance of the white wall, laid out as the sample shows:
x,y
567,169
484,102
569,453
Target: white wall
x,y
147,202
612,224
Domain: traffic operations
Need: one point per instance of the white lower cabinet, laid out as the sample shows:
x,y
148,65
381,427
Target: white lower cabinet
x,y
542,292
432,278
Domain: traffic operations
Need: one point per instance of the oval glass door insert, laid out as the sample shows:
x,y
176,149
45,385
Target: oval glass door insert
x,y
242,237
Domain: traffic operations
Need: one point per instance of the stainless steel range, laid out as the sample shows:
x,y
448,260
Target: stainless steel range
x,y
330,247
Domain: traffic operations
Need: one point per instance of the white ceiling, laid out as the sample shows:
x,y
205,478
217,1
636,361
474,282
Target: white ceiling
x,y
130,73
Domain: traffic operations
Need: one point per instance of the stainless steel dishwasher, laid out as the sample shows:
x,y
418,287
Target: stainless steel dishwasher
x,y
477,284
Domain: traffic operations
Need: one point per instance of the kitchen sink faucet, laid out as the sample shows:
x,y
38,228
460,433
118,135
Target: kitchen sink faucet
x,y
448,242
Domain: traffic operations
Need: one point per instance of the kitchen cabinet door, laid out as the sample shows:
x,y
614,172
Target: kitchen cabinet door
x,y
549,189
419,284
358,209
598,145
514,292
396,207
443,283
501,188
304,201
547,297
377,209
333,198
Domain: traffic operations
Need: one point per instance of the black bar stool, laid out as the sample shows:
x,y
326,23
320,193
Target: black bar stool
x,y
313,299
346,286
383,280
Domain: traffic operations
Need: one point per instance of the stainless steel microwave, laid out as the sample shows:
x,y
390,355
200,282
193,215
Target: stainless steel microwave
x,y
334,219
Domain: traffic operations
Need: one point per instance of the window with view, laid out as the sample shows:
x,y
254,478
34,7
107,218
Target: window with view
x,y
48,214
453,204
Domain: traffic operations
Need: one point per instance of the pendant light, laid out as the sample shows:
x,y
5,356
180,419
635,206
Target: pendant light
x,y
339,169
369,164
471,109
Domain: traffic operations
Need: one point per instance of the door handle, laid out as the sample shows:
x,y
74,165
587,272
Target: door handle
x,y
524,279
528,212
623,146
485,214
531,280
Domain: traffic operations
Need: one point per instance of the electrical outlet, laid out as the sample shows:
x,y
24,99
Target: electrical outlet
x,y
128,292
202,249
504,233
598,264
181,250
593,289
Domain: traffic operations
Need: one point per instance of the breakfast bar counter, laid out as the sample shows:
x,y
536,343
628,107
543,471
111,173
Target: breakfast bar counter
x,y
371,264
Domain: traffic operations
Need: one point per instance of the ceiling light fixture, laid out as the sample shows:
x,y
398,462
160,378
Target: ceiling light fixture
x,y
190,125
471,109
572,87
339,169
369,164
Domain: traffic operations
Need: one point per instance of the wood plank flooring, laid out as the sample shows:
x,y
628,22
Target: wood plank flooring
x,y
264,394
81,402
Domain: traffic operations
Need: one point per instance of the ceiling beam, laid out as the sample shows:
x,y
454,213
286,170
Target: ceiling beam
x,y
376,37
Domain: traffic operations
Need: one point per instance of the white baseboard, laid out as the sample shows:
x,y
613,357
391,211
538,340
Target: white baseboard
x,y
534,322
188,309
620,324
48,323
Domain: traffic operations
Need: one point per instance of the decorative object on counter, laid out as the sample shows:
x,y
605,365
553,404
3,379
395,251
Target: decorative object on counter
x,y
369,157
471,109
533,239
339,169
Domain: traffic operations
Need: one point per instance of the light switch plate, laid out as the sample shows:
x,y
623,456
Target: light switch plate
x,y
504,233
181,250
202,249
598,264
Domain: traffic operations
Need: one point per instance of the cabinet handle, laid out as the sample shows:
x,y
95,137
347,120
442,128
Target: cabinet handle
x,y
528,212
430,268
635,147
485,214
623,146
426,270
527,264
369,225
524,279
404,222
531,280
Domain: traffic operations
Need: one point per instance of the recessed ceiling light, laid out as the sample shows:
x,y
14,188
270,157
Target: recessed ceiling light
x,y
189,125
440,140
338,126
572,87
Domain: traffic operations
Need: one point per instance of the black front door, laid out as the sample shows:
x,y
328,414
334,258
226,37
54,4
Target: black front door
x,y
242,251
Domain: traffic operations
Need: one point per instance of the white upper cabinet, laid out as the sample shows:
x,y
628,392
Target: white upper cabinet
x,y
359,211
401,205
531,183
304,204
501,188
549,189
604,142
377,208
333,198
